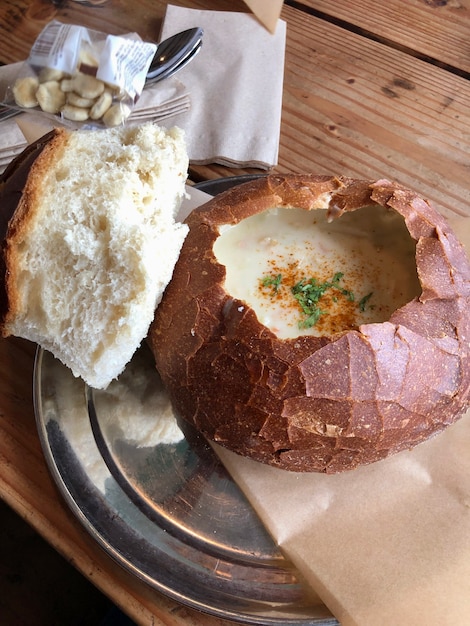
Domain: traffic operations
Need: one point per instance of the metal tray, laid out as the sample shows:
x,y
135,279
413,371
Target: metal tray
x,y
167,512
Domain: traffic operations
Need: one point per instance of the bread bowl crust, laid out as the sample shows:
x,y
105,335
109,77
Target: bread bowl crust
x,y
316,404
20,184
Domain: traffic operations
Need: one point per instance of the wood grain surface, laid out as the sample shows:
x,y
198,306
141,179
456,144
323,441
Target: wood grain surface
x,y
373,111
436,30
371,90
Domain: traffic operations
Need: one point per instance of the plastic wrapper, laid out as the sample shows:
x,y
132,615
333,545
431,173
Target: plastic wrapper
x,y
81,76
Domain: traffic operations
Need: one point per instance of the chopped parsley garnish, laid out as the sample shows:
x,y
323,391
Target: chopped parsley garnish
x,y
363,301
272,281
308,294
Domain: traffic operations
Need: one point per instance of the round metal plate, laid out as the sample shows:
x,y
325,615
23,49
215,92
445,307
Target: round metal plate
x,y
165,509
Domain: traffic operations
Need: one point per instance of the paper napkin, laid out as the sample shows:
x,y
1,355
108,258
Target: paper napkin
x,y
166,99
387,543
12,142
235,84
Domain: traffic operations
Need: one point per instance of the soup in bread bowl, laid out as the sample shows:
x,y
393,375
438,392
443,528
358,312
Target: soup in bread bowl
x,y
316,323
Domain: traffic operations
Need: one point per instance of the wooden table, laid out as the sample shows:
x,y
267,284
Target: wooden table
x,y
371,90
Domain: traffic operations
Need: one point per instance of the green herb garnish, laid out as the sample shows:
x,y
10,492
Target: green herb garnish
x,y
363,301
308,293
272,281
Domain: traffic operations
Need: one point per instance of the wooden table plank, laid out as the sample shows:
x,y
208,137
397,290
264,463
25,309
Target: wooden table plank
x,y
352,105
366,110
439,29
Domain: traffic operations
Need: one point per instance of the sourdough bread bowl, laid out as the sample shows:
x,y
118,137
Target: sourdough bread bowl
x,y
336,390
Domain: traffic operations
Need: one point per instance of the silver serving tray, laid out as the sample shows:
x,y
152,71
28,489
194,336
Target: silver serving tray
x,y
167,512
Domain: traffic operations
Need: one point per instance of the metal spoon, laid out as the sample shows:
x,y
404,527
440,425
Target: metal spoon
x,y
174,53
173,68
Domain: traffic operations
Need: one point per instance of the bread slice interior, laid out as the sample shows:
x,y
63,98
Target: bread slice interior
x,y
93,244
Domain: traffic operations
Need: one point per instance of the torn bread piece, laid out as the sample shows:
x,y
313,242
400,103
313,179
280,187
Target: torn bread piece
x,y
90,242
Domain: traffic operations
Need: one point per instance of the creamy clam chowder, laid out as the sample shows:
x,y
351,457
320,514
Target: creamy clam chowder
x,y
304,275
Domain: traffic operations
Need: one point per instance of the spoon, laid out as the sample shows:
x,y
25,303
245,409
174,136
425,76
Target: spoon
x,y
173,68
174,53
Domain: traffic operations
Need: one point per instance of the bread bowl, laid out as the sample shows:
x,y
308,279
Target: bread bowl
x,y
325,400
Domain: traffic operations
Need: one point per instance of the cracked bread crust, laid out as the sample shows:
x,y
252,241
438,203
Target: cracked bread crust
x,y
14,185
316,404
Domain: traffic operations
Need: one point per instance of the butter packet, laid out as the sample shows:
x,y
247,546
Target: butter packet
x,y
82,76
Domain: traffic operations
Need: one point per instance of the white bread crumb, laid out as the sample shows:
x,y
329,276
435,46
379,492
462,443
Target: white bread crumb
x,y
96,245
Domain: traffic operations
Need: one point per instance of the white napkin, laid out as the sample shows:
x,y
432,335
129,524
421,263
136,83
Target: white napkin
x,y
12,142
165,99
235,83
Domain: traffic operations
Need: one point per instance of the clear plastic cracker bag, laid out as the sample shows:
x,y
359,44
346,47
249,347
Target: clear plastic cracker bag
x,y
82,76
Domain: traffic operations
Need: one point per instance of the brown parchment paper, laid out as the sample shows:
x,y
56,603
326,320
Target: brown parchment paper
x,y
267,11
384,545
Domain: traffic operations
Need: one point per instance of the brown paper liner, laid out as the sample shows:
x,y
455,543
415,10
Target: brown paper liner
x,y
267,11
385,544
